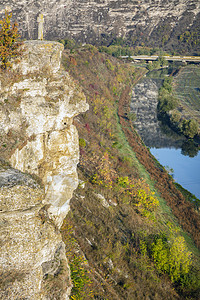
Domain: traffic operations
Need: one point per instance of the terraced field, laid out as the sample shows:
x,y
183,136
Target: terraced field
x,y
187,89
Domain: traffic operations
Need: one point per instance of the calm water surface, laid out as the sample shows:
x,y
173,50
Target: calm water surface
x,y
186,169
165,146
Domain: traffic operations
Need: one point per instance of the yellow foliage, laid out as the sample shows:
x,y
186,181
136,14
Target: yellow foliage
x,y
146,201
172,257
10,47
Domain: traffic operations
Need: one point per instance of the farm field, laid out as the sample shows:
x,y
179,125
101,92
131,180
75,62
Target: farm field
x,y
187,90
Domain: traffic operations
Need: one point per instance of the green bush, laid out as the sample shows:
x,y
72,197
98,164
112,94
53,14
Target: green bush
x,y
171,257
167,84
189,128
79,276
132,116
167,102
109,65
82,143
10,46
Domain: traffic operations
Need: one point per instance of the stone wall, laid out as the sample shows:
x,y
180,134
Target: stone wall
x,y
37,105
90,20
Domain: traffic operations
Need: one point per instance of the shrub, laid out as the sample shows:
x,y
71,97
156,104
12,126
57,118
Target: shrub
x,y
167,84
172,257
190,128
109,65
132,116
10,47
166,102
79,276
146,201
82,143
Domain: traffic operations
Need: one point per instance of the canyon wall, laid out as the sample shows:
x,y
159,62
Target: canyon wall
x,y
39,151
158,21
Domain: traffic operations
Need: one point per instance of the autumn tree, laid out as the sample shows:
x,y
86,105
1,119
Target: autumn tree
x,y
172,257
10,46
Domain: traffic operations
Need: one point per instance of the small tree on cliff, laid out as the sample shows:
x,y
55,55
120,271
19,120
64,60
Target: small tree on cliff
x,y
10,46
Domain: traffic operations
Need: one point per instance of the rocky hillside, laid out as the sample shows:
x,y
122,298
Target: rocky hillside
x,y
171,24
38,101
130,233
126,203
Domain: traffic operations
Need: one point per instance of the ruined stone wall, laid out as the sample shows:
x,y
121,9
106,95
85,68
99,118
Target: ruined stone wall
x,y
88,20
37,105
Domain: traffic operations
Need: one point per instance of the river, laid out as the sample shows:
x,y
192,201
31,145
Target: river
x,y
171,150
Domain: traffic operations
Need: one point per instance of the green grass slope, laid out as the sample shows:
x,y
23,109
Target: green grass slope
x,y
130,233
187,89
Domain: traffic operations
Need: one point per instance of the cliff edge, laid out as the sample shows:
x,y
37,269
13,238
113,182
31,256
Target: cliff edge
x,y
38,101
152,22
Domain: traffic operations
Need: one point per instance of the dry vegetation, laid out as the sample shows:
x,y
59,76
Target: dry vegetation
x,y
119,227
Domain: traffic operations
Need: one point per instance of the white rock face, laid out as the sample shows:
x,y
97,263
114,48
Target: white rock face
x,y
49,101
37,107
40,56
30,243
89,20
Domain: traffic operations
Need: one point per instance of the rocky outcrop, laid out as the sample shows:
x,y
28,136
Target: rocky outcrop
x,y
37,105
31,245
158,21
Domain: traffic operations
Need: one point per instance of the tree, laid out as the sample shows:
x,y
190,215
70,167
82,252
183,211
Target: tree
x,y
167,84
10,46
171,256
163,62
166,102
189,148
190,128
175,116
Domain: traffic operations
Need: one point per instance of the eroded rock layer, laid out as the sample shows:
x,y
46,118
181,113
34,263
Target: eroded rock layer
x,y
29,240
38,103
89,20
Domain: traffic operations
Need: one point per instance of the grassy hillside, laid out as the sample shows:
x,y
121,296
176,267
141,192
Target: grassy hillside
x,y
130,232
187,89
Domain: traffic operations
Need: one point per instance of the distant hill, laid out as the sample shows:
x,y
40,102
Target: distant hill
x,y
174,25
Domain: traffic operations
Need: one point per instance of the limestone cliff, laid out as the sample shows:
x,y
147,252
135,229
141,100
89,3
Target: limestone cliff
x,y
158,21
37,105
